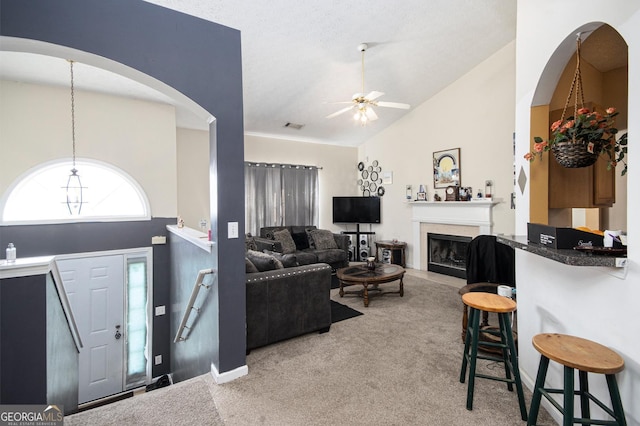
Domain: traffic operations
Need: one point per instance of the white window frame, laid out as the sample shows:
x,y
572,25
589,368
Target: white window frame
x,y
74,219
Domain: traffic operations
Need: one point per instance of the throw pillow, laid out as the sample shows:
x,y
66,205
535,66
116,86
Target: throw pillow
x,y
288,260
250,243
250,268
263,261
301,240
323,239
284,237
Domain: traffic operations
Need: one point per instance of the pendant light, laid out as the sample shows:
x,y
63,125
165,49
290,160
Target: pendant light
x,y
74,186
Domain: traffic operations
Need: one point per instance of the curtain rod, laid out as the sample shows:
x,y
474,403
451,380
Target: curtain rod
x,y
297,166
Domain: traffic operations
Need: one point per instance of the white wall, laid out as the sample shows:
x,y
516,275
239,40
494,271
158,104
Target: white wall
x,y
593,303
136,136
475,114
193,177
337,176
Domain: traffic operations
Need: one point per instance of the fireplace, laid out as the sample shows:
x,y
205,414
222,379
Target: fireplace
x,y
460,218
447,254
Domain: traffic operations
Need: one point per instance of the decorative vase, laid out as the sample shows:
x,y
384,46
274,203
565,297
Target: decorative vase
x,y
575,155
371,265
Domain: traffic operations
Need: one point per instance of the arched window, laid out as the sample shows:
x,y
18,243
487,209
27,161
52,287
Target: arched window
x,y
39,195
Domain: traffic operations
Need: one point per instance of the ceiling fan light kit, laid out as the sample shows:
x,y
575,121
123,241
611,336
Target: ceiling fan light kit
x,y
362,104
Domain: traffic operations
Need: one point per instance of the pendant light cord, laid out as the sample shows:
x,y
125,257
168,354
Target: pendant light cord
x,y
73,118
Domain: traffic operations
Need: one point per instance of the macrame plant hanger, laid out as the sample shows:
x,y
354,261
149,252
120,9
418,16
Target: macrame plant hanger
x,y
576,85
575,152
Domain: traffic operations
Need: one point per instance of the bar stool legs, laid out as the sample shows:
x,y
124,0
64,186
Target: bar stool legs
x,y
484,301
587,357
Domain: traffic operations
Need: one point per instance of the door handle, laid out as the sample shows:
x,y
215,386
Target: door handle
x,y
118,334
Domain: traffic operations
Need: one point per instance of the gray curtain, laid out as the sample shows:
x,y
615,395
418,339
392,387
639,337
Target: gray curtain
x,y
280,195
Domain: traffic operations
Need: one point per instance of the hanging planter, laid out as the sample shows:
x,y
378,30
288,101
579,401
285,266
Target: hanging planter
x,y
578,141
576,154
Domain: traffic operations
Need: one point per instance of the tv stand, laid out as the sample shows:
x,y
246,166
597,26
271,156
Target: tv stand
x,y
357,233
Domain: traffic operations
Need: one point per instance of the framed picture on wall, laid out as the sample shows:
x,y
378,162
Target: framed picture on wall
x,y
446,168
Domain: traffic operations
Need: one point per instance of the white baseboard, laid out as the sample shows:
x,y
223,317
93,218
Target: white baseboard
x,y
228,376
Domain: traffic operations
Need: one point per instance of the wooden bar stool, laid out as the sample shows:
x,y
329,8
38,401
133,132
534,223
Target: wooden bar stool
x,y
503,306
587,357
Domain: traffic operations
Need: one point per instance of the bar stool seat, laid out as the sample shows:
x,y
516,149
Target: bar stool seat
x,y
503,306
586,356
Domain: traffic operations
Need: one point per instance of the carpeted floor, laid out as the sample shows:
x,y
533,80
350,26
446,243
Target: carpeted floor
x,y
397,364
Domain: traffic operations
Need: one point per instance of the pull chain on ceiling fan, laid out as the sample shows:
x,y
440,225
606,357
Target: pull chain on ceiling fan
x,y
362,104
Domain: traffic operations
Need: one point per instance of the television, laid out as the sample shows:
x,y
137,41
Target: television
x,y
356,209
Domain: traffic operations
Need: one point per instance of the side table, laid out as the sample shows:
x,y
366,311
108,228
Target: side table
x,y
394,246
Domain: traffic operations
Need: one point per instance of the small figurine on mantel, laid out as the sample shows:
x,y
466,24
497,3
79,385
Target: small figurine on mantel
x,y
436,197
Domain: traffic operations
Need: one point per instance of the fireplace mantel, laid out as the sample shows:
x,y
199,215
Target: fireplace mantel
x,y
476,214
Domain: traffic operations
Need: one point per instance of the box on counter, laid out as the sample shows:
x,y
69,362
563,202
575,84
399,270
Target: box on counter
x,y
561,238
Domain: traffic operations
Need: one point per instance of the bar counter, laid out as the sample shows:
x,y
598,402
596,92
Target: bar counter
x,y
566,256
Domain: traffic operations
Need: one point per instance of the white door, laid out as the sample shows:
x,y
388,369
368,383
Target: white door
x,y
95,287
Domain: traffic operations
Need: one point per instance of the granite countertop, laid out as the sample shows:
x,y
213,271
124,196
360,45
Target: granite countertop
x,y
566,256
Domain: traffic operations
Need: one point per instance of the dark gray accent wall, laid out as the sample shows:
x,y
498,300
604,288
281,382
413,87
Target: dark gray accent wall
x,y
23,341
200,59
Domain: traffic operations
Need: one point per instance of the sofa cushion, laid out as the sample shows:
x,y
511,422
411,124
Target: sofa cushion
x,y
306,257
322,239
331,255
284,237
287,260
250,268
263,261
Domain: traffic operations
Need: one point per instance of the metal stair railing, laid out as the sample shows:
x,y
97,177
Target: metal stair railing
x,y
190,308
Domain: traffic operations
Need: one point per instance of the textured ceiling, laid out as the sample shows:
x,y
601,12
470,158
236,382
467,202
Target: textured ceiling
x,y
300,56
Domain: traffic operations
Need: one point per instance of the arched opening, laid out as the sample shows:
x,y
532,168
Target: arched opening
x,y
593,196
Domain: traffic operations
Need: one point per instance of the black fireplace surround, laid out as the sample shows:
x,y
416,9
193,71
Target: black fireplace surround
x,y
447,254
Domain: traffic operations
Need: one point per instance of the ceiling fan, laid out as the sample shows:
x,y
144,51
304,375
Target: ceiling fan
x,y
362,104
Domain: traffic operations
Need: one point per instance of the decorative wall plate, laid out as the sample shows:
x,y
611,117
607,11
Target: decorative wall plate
x,y
375,163
366,183
373,187
370,168
380,191
359,181
361,166
365,174
366,193
374,176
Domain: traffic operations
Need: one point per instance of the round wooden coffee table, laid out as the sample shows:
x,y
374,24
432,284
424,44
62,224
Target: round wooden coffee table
x,y
361,275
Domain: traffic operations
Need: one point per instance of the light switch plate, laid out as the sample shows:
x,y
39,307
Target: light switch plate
x,y
158,359
160,310
159,239
232,230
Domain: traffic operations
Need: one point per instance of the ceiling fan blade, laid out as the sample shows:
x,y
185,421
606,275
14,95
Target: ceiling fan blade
x,y
336,103
371,114
393,105
373,95
342,111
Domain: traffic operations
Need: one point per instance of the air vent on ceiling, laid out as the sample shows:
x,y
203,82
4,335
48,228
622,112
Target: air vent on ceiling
x,y
294,126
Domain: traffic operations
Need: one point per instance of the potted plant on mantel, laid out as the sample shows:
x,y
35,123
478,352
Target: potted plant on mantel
x,y
578,140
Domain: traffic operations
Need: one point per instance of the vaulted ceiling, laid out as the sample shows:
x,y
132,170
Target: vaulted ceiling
x,y
298,57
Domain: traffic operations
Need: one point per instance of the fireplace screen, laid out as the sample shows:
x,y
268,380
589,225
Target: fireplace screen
x,y
447,254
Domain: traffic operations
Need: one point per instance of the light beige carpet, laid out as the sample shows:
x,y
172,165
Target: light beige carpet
x,y
398,364
185,403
